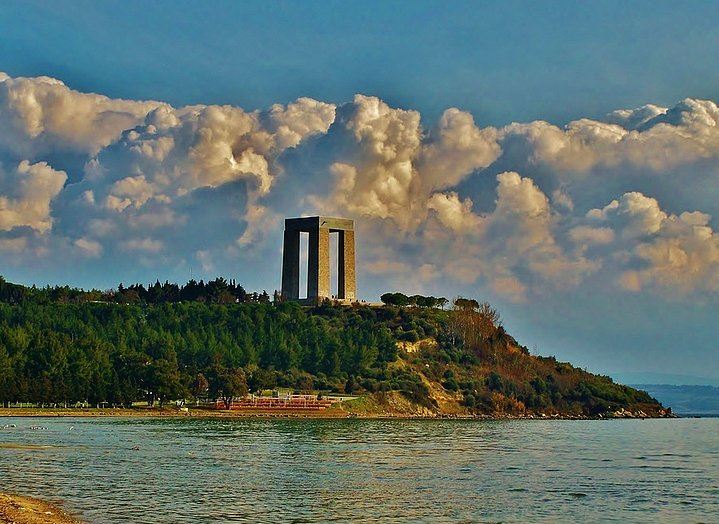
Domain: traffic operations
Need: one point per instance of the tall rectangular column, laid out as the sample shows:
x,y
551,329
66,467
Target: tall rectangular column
x,y
324,289
346,286
318,264
291,265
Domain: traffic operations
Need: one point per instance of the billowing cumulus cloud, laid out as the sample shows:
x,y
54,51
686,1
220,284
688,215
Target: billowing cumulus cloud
x,y
456,214
176,151
26,192
42,115
390,167
516,247
637,215
522,212
151,180
672,253
654,138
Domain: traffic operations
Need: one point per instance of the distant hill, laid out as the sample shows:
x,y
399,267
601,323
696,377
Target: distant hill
x,y
213,340
695,400
672,379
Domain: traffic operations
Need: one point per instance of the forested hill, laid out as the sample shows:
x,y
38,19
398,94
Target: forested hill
x,y
61,345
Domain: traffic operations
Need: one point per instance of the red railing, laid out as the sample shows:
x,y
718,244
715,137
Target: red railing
x,y
290,403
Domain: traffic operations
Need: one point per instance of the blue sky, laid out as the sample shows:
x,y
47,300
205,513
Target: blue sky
x,y
596,234
503,61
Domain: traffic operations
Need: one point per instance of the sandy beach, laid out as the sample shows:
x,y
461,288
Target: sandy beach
x,y
334,412
15,509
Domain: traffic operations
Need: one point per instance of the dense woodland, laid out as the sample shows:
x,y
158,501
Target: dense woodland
x,y
217,291
213,340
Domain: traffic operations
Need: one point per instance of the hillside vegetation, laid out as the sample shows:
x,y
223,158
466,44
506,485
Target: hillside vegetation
x,y
59,345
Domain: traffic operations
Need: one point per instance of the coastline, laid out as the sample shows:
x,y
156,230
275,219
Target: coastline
x,y
331,413
18,509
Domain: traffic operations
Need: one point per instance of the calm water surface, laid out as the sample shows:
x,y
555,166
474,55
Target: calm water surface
x,y
171,471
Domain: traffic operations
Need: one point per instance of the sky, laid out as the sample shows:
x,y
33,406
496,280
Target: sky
x,y
559,160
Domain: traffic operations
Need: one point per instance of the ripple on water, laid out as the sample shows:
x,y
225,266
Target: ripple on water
x,y
164,471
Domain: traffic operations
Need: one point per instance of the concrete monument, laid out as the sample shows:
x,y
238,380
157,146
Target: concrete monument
x,y
318,258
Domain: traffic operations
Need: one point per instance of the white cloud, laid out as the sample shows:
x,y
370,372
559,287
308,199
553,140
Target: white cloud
x,y
40,115
147,245
179,150
455,148
289,125
635,118
26,193
634,214
206,184
650,137
392,167
672,253
515,249
591,235
91,248
455,214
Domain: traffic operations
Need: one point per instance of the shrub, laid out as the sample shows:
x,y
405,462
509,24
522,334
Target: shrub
x,y
451,384
408,336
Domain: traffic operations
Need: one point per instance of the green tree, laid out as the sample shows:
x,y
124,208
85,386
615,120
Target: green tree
x,y
7,379
200,386
163,381
395,299
227,383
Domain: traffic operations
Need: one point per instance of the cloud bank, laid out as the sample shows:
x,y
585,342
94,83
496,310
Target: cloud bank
x,y
624,204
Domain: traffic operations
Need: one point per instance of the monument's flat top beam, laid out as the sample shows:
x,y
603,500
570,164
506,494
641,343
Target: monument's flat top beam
x,y
307,223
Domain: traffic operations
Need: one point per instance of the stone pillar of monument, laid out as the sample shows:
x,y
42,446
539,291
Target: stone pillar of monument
x,y
346,285
318,264
291,265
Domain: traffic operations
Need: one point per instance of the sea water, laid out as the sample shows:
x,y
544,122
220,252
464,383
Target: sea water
x,y
270,470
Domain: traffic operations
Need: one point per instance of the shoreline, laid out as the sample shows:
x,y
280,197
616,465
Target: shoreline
x,y
329,414
18,509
